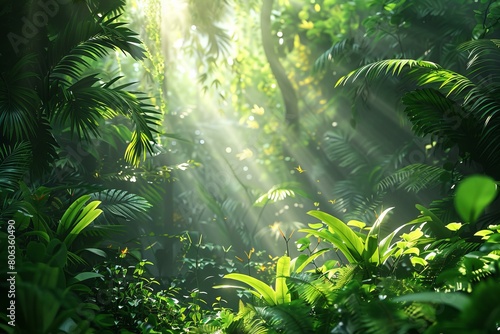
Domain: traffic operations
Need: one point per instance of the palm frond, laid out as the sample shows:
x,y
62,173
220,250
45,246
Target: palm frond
x,y
355,199
430,112
432,7
86,40
444,209
14,163
415,177
385,67
342,149
18,101
483,65
337,51
146,119
43,145
117,203
279,192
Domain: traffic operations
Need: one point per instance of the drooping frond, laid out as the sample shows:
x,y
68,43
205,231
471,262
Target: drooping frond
x,y
210,33
342,49
84,40
18,102
483,65
279,192
386,67
14,163
146,119
430,112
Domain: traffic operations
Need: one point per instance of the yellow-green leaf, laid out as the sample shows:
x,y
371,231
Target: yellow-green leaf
x,y
454,226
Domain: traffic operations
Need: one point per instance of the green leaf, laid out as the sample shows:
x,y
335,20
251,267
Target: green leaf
x,y
84,276
315,225
263,290
335,240
435,224
412,250
346,235
302,244
473,195
356,223
456,300
483,233
96,251
413,235
35,251
454,226
70,214
77,218
309,259
385,246
282,272
418,260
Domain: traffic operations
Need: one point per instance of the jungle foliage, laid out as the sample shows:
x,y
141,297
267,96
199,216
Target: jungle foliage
x,y
356,192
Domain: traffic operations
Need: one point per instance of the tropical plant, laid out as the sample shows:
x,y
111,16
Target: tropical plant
x,y
64,94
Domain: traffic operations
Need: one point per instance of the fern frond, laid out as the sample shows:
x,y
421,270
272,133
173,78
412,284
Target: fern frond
x,y
448,255
291,318
317,291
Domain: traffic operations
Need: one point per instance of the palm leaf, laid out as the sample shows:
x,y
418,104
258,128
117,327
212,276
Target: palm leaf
x,y
385,67
279,192
117,203
431,112
18,101
415,177
337,51
14,163
84,40
483,64
340,148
